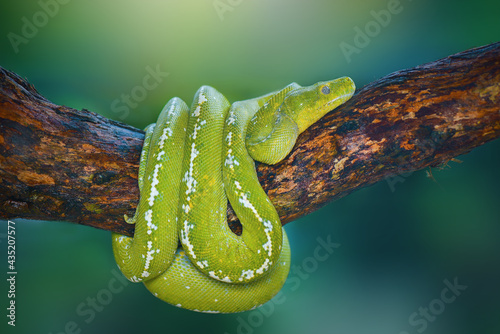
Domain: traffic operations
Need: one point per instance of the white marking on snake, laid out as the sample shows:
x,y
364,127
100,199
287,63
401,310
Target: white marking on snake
x,y
202,264
248,274
185,238
246,203
148,216
264,267
228,138
188,177
195,130
231,118
154,191
225,279
149,258
268,229
197,111
202,98
231,159
158,157
167,132
171,110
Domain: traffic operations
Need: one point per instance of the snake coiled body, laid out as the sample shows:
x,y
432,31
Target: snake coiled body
x,y
194,160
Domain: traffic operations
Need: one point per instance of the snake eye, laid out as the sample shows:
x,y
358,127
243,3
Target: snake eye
x,y
325,90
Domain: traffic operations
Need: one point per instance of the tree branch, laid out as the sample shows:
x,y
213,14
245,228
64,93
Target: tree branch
x,y
58,163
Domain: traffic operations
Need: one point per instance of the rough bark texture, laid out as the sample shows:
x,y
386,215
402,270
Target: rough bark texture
x,y
58,163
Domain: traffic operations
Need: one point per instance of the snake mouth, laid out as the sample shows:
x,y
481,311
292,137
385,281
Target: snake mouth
x,y
339,100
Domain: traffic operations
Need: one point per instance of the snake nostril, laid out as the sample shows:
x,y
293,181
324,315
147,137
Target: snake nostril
x,y
325,90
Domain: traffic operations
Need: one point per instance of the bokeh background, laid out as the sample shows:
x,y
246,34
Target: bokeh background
x,y
395,246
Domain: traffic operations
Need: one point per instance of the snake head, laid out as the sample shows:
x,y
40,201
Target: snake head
x,y
306,105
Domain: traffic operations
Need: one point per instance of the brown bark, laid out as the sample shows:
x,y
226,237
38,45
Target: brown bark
x,y
58,163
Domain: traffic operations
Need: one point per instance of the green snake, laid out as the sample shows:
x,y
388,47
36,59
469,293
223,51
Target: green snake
x,y
193,161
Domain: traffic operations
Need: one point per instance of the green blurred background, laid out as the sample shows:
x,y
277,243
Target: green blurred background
x,y
397,244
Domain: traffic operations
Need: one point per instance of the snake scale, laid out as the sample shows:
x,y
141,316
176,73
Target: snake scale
x,y
193,161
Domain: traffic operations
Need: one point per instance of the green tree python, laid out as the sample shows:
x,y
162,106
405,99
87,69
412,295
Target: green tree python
x,y
193,161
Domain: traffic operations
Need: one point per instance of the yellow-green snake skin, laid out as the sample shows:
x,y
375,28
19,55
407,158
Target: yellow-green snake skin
x,y
193,161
